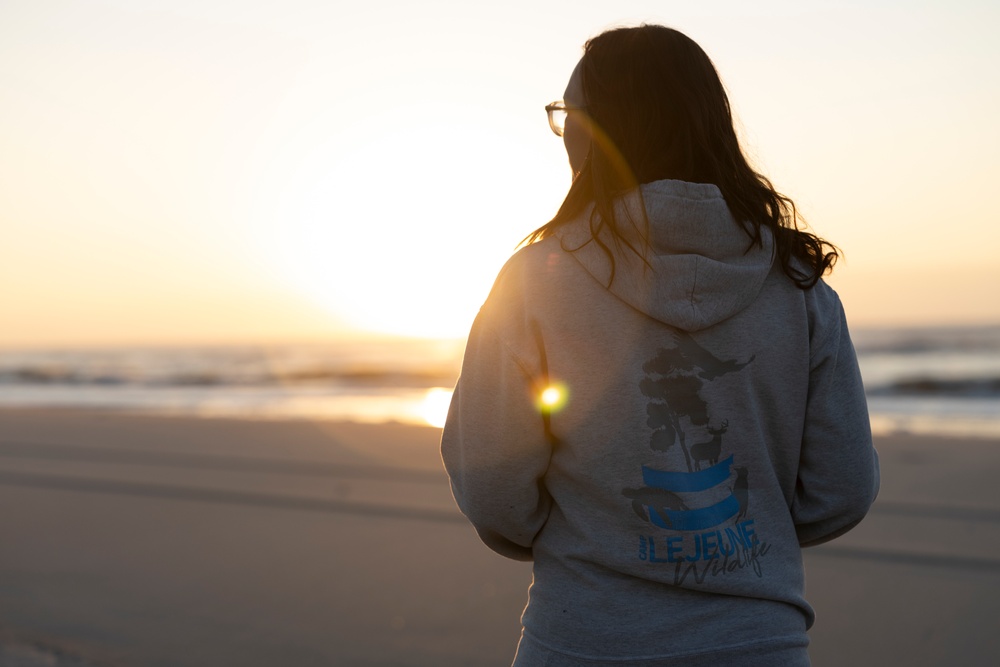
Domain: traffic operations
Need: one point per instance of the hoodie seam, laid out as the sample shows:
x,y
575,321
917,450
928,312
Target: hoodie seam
x,y
834,329
507,348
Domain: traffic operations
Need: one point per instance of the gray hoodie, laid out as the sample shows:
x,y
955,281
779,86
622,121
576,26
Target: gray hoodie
x,y
661,449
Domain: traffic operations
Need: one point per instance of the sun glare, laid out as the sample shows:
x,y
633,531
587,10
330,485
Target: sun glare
x,y
434,409
404,232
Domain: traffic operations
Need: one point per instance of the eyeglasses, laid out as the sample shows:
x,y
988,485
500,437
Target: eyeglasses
x,y
557,115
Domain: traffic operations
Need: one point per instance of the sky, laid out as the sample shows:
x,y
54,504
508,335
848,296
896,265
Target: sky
x,y
214,171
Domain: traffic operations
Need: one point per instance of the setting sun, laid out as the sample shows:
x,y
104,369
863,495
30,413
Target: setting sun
x,y
413,253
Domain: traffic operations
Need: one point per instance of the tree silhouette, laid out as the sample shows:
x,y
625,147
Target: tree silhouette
x,y
673,382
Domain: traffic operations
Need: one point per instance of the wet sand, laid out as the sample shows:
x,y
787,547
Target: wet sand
x,y
156,541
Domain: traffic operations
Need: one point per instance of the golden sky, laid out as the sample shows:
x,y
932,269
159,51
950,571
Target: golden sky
x,y
210,171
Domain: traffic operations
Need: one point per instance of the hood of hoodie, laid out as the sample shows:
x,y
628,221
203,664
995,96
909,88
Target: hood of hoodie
x,y
700,268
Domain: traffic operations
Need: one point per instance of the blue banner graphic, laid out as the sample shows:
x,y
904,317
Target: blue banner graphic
x,y
688,481
699,519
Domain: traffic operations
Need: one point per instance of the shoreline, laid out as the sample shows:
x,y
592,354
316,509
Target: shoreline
x,y
884,427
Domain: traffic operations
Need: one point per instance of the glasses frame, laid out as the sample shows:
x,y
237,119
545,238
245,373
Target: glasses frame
x,y
559,106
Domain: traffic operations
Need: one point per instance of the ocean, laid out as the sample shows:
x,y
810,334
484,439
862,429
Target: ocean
x,y
922,380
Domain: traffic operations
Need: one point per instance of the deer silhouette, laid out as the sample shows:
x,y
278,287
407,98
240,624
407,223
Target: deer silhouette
x,y
710,449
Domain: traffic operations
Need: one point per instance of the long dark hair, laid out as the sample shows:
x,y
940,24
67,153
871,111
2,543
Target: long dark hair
x,y
658,110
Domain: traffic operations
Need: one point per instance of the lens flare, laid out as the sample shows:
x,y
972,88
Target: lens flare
x,y
553,398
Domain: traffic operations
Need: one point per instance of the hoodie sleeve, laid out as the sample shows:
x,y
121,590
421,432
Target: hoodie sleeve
x,y
838,477
494,443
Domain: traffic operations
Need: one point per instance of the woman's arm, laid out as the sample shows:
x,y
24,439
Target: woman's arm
x,y
838,477
494,445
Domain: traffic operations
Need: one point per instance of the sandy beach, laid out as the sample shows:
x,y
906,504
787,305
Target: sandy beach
x,y
147,541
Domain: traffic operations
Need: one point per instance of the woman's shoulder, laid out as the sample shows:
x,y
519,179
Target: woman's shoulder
x,y
826,315
534,256
820,301
823,302
530,264
526,281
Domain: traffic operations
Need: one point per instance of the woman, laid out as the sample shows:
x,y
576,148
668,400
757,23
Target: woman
x,y
660,403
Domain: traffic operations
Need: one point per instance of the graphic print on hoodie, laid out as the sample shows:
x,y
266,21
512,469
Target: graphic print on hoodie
x,y
702,510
